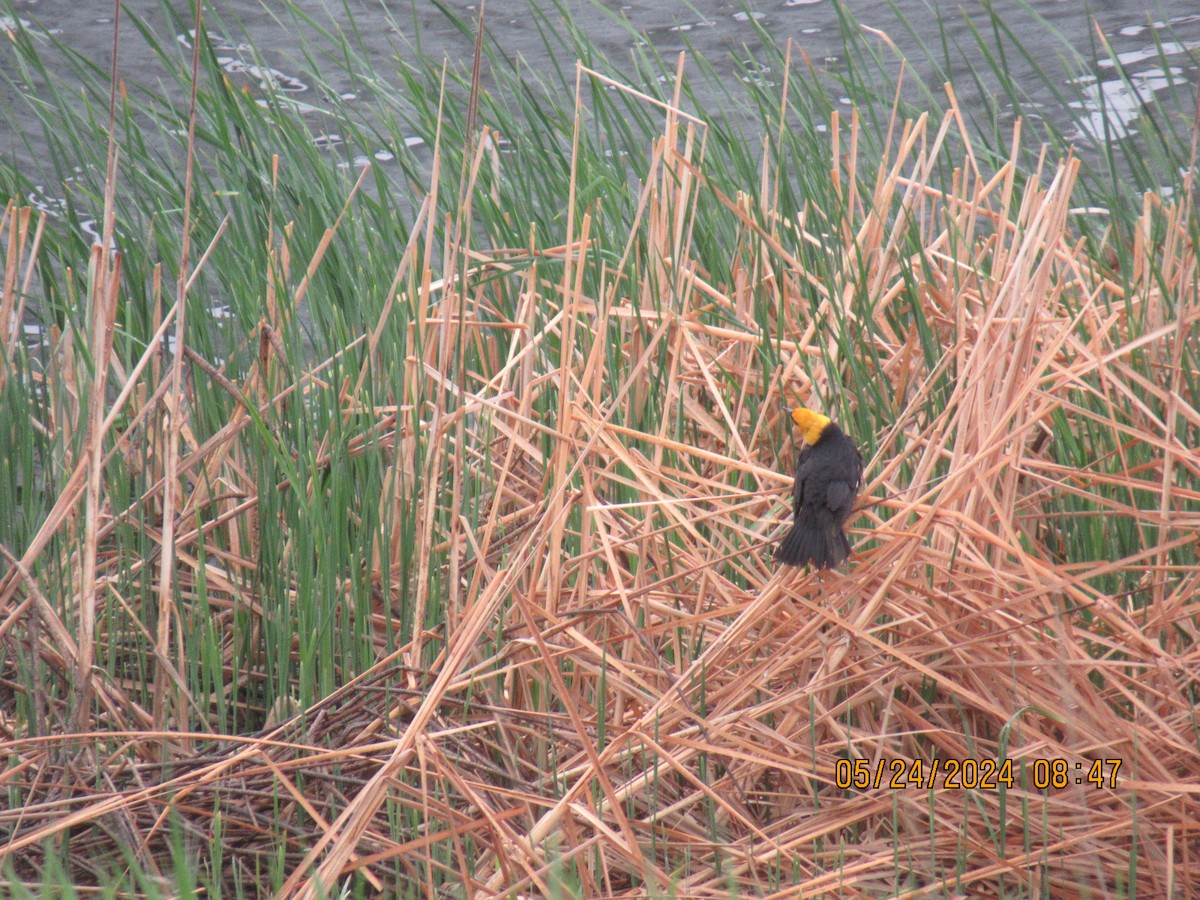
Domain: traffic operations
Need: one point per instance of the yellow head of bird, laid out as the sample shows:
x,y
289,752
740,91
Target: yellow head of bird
x,y
811,424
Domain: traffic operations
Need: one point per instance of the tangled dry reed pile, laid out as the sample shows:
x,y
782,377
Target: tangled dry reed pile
x,y
625,697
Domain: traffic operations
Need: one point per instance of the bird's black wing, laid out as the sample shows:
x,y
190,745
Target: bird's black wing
x,y
843,485
839,495
801,477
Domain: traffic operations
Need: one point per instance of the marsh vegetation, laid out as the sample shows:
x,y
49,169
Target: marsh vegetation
x,y
439,560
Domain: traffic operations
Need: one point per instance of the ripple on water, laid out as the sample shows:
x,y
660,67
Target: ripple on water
x,y
268,78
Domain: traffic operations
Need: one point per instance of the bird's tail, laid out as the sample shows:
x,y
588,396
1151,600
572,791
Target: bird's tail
x,y
822,548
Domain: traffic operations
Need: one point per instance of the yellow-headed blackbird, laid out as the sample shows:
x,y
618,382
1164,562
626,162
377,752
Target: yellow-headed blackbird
x,y
828,476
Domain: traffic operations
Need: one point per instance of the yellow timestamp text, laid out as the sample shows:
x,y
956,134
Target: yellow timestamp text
x,y
975,774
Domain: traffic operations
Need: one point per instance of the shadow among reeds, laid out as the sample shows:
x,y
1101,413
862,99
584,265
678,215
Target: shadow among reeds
x,y
466,585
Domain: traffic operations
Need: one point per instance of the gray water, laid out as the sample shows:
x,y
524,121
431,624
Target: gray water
x,y
719,30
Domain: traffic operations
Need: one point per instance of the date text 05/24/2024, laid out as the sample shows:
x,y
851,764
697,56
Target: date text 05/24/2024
x,y
975,774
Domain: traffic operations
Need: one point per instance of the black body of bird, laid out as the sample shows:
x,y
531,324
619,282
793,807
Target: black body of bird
x,y
828,475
